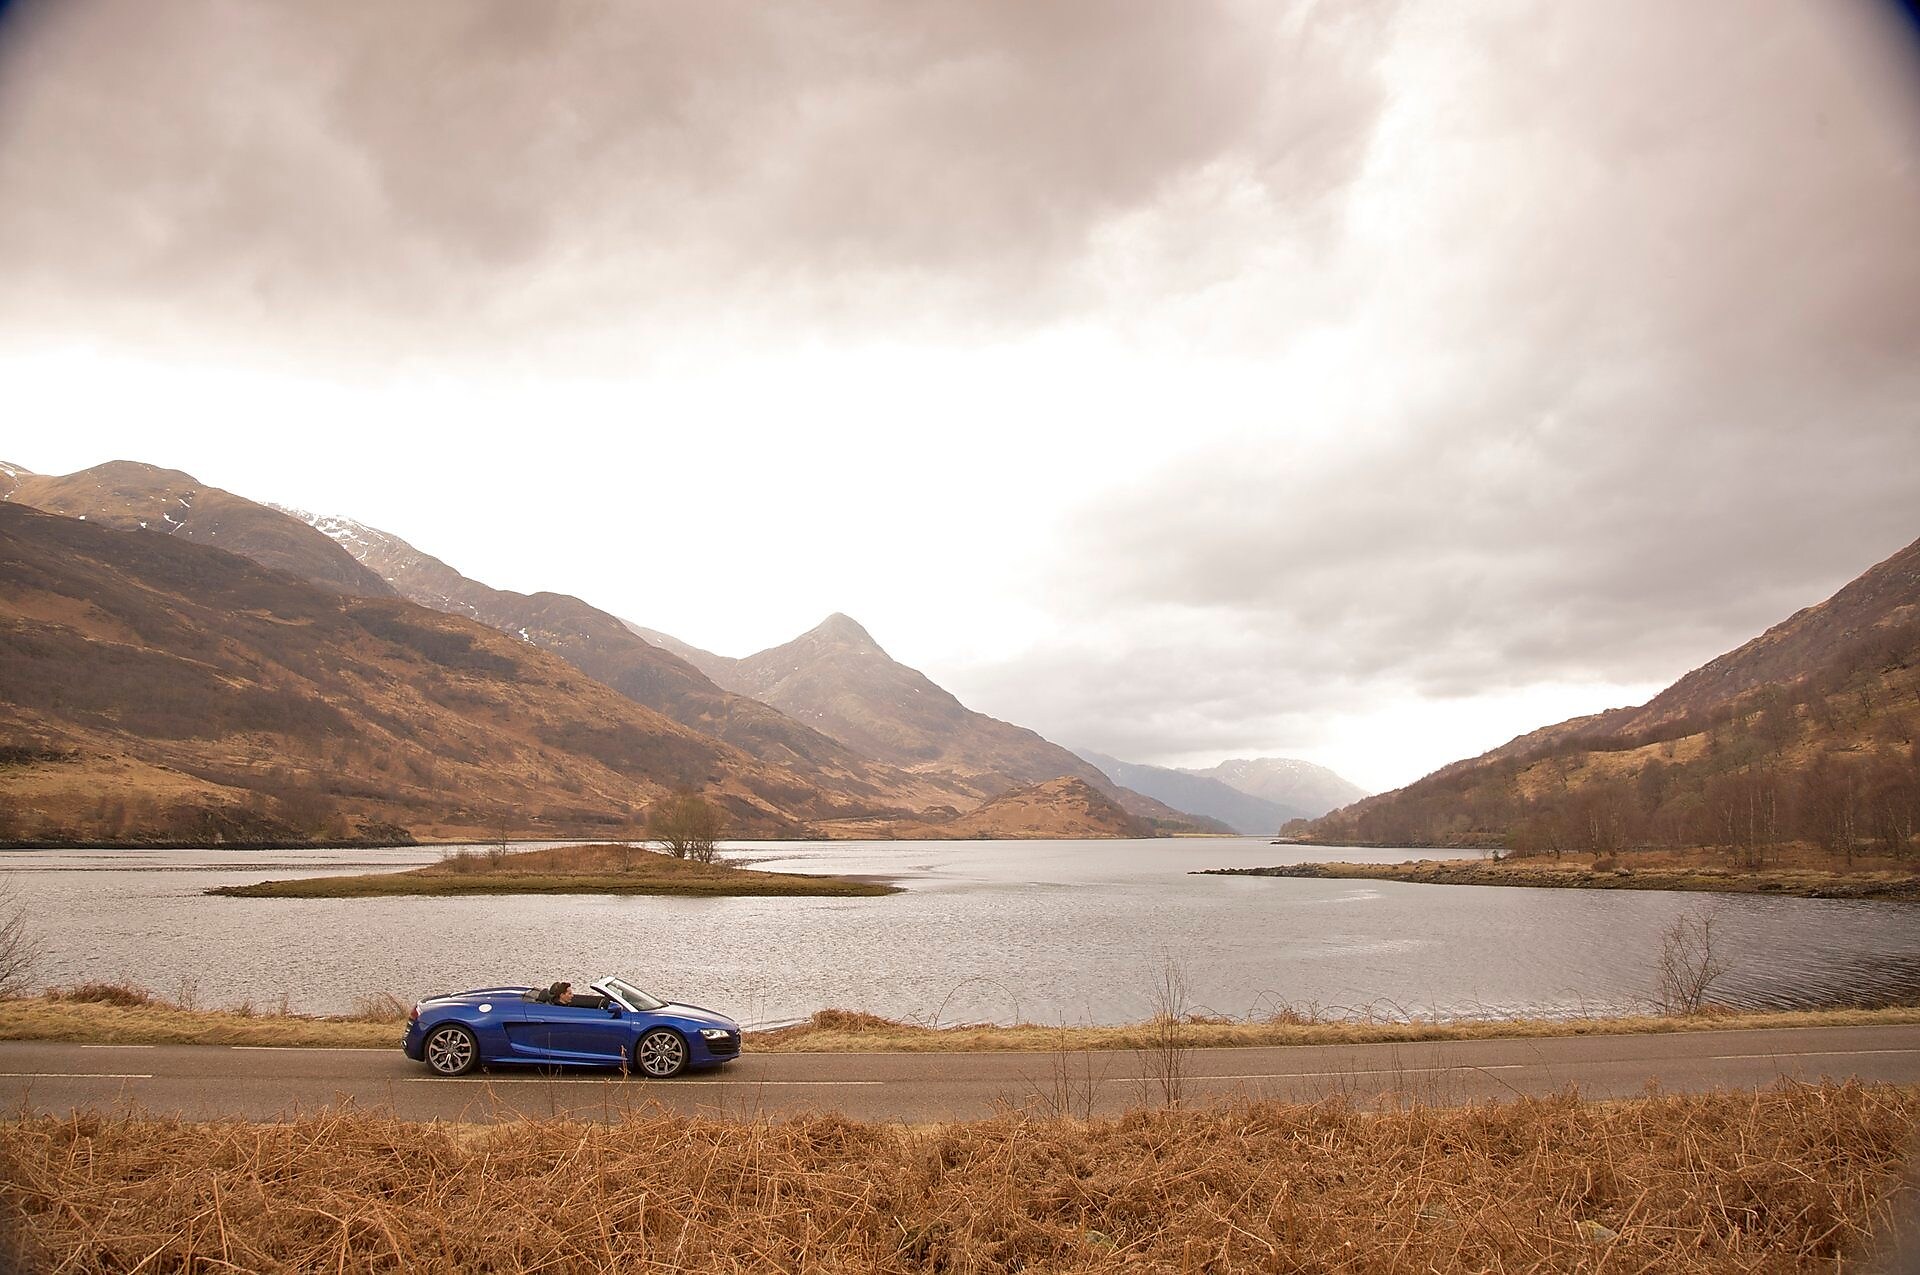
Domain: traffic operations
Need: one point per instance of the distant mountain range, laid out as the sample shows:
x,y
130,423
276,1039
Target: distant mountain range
x,y
836,678
1809,733
1254,796
825,735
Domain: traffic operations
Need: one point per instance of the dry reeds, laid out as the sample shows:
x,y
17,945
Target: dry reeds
x,y
1791,1179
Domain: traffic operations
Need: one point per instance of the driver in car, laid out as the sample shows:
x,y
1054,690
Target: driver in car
x,y
563,994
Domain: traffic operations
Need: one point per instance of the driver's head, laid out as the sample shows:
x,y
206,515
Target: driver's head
x,y
562,992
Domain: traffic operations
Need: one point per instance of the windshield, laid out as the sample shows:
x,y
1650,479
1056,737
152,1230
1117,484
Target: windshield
x,y
630,996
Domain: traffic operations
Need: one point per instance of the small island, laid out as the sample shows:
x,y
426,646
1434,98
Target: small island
x,y
1670,871
590,869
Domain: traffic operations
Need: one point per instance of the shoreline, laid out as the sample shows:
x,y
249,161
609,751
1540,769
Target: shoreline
x,y
1779,882
117,1015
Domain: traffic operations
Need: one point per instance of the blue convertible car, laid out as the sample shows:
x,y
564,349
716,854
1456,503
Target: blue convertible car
x,y
615,1025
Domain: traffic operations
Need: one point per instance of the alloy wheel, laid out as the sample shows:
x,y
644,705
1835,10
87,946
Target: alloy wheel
x,y
661,1053
450,1051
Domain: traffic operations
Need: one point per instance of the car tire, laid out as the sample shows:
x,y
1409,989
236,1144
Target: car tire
x,y
661,1054
451,1050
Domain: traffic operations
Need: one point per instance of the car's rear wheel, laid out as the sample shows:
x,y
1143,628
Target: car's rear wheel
x,y
660,1053
452,1051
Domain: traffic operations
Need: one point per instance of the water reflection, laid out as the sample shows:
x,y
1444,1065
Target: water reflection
x,y
1045,931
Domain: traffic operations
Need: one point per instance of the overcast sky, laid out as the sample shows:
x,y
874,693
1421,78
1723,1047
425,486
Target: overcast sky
x,y
1359,382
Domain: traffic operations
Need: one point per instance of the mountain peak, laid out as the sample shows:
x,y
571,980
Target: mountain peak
x,y
137,471
844,630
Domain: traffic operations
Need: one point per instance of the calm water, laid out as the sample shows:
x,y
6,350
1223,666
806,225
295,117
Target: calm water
x,y
1063,931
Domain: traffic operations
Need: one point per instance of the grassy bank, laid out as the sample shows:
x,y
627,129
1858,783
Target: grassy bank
x,y
595,869
113,1014
1797,1178
1584,873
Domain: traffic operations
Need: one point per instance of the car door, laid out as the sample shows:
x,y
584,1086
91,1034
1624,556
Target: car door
x,y
529,1027
586,1034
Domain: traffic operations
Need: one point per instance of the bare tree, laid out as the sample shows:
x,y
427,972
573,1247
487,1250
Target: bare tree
x,y
1690,961
1164,1058
687,826
19,945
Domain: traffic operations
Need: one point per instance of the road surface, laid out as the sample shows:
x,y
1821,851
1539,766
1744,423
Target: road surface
x,y
206,1081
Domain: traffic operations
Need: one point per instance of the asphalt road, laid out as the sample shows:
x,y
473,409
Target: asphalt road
x,y
203,1081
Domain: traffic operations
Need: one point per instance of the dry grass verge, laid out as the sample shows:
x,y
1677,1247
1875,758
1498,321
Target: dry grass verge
x,y
1797,1178
119,1014
595,869
840,1031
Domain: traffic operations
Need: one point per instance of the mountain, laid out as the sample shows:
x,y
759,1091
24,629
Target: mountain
x,y
1304,789
606,649
130,496
1806,734
836,678
1244,813
152,687
873,735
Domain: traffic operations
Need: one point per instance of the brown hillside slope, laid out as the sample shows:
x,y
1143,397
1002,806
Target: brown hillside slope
x,y
836,678
1068,807
131,496
1806,735
605,649
155,688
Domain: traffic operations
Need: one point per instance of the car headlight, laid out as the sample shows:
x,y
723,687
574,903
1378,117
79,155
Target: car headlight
x,y
714,1033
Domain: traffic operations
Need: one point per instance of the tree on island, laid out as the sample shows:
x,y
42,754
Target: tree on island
x,y
687,826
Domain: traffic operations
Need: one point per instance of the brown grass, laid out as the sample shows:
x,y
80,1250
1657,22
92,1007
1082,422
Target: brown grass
x,y
840,1031
592,869
121,1014
1797,1178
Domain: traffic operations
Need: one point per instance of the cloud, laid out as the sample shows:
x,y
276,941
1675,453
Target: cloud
x,y
454,172
1629,370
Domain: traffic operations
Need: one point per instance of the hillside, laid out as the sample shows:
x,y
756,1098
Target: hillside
x,y
1304,789
155,688
1804,737
1244,813
836,678
130,496
606,649
1067,807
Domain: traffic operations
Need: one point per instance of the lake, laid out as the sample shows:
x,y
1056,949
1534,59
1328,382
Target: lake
x,y
1049,931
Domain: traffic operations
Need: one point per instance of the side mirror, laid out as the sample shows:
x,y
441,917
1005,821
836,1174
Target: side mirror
x,y
613,1011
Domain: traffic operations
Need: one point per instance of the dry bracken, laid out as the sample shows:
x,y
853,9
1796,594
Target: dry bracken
x,y
1796,1178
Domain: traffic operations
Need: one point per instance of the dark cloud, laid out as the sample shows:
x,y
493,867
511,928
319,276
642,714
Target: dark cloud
x,y
452,170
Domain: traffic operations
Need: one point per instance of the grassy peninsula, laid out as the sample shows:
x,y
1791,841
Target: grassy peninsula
x,y
1699,872
595,869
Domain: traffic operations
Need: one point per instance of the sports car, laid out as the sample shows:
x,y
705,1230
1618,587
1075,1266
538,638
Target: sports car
x,y
616,1025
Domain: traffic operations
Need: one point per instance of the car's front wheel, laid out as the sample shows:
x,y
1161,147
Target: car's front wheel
x,y
660,1053
452,1051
